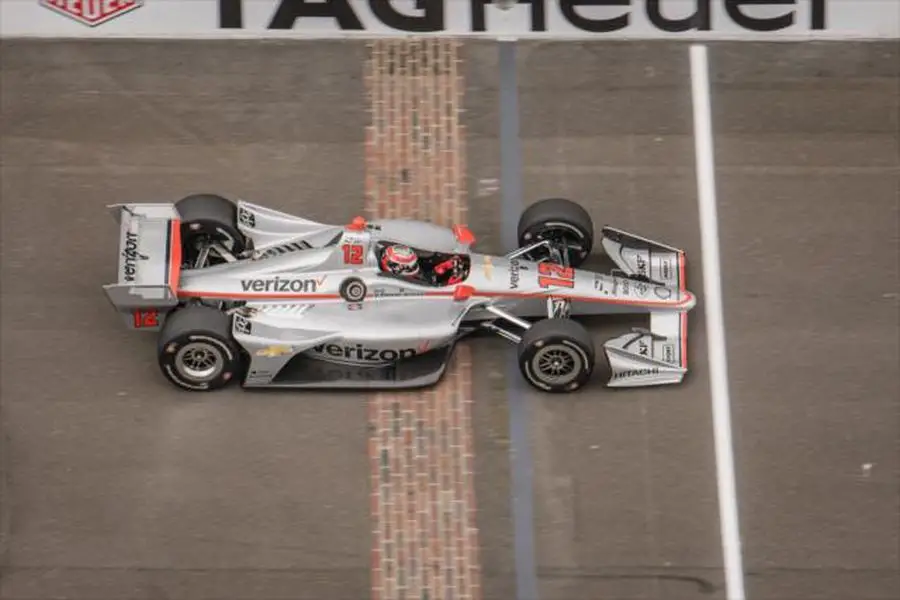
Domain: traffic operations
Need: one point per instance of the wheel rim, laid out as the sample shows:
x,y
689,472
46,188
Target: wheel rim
x,y
562,235
199,362
354,291
557,365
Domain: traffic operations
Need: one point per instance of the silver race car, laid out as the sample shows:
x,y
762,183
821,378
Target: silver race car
x,y
240,291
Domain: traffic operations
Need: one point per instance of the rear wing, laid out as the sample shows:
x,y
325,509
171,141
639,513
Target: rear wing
x,y
149,263
657,356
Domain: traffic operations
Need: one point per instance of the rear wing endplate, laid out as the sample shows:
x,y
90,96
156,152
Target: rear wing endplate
x,y
149,263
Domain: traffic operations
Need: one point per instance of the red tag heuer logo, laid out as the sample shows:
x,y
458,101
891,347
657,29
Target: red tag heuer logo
x,y
92,12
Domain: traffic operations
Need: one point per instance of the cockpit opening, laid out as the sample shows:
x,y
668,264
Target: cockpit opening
x,y
436,269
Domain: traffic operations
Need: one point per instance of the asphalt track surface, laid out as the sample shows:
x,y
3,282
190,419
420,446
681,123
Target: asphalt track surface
x,y
116,486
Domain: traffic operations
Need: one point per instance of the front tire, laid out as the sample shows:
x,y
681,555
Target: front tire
x,y
562,222
556,355
196,351
207,219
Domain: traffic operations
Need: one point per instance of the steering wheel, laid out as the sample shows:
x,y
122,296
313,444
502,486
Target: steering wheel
x,y
443,271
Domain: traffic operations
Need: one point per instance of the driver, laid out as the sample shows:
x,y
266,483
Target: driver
x,y
400,260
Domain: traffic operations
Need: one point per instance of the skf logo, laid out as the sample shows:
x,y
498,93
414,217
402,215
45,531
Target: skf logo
x,y
669,353
666,270
92,12
275,351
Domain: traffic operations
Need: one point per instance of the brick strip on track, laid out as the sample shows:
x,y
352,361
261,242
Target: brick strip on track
x,y
425,539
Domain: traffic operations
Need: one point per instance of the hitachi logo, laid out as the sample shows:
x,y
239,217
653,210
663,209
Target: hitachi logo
x,y
360,353
636,372
277,284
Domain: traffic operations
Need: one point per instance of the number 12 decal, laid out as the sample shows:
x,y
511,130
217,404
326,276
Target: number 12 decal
x,y
553,275
146,318
353,254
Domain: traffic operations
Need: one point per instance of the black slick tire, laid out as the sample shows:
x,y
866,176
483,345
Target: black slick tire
x,y
207,216
556,356
196,351
560,219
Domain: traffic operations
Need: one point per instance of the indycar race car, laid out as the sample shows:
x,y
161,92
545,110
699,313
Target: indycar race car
x,y
237,291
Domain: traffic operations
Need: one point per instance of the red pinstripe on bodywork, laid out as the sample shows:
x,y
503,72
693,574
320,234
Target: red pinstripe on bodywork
x,y
684,331
244,296
174,254
442,294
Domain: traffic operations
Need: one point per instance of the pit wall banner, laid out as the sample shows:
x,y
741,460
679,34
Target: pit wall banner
x,y
750,20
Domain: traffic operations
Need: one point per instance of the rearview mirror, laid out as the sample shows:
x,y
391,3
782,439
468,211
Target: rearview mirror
x,y
463,292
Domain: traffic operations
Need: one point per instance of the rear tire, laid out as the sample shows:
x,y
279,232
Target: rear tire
x,y
556,355
196,351
207,218
562,221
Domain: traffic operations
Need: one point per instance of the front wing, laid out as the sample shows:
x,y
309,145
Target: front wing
x,y
655,356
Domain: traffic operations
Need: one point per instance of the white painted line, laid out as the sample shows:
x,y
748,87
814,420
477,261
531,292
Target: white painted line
x,y
715,326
